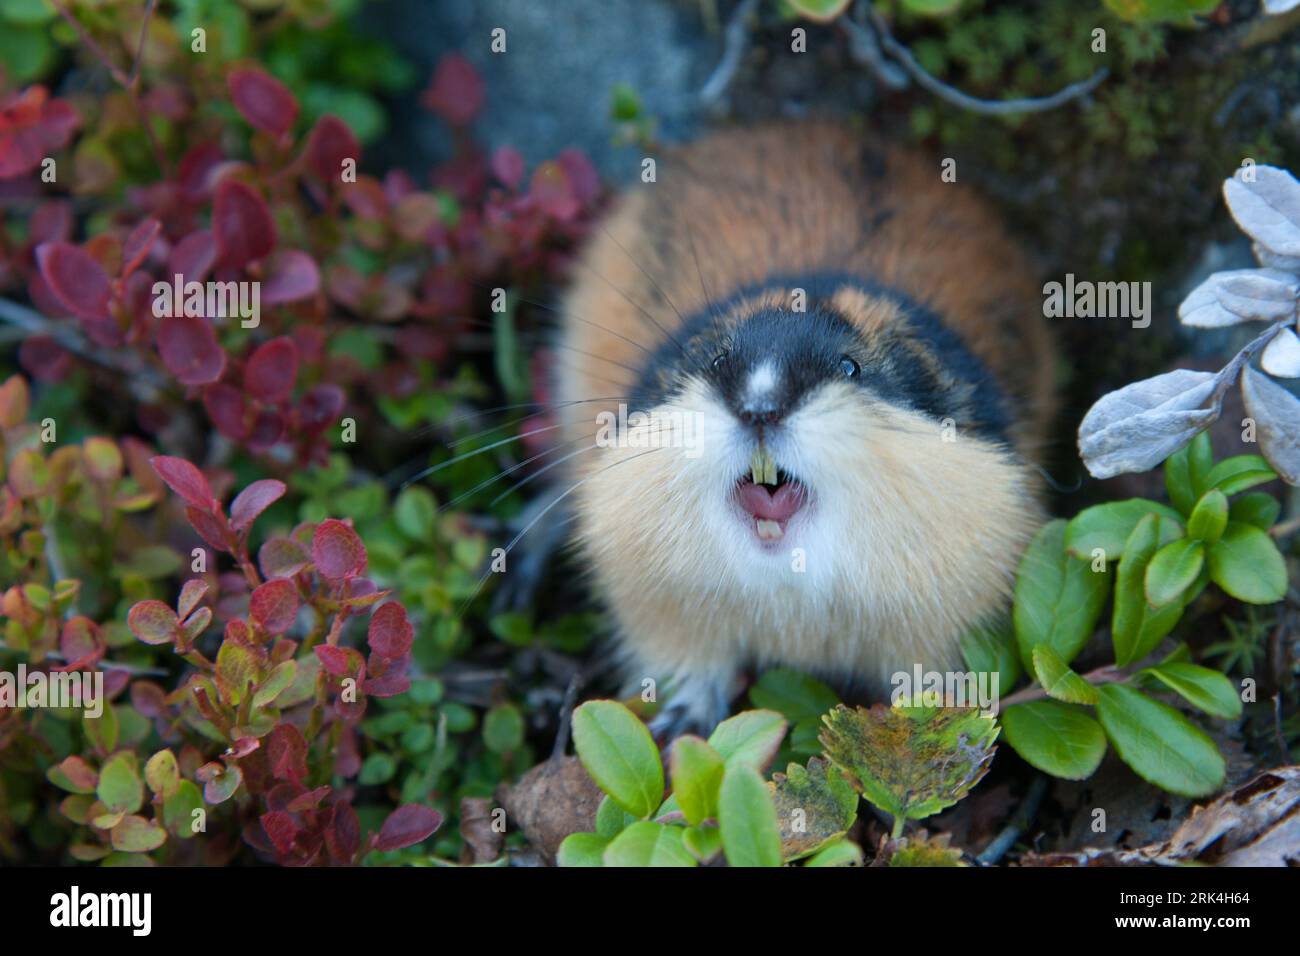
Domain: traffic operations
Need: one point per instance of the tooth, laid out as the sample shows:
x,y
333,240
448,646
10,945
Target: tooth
x,y
756,464
768,530
769,477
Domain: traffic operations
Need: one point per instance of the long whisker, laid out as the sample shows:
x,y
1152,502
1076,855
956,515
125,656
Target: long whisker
x,y
433,469
657,287
483,323
509,471
538,517
568,313
640,308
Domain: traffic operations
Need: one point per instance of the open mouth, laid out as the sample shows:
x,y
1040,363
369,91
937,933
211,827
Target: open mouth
x,y
769,496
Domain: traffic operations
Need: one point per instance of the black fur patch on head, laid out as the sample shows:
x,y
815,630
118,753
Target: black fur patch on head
x,y
917,362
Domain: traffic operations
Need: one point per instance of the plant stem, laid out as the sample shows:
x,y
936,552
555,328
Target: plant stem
x,y
1110,674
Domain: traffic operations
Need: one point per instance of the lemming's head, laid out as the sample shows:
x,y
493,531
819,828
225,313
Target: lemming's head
x,y
777,429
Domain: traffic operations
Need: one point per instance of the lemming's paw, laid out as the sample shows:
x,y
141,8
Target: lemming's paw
x,y
695,707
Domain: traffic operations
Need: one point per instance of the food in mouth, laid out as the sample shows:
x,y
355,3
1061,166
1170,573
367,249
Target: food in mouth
x,y
769,497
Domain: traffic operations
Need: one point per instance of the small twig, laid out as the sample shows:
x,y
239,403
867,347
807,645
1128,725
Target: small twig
x,y
973,103
1018,823
92,44
1285,529
33,323
566,715
864,49
1277,730
139,50
735,43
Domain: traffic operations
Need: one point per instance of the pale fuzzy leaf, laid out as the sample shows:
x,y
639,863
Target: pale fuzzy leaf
x,y
1267,210
1282,356
1241,295
1277,423
1140,425
1272,260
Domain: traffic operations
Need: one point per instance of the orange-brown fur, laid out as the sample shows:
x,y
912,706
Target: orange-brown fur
x,y
925,532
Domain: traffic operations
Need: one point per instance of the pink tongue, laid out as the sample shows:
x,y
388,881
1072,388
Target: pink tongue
x,y
761,503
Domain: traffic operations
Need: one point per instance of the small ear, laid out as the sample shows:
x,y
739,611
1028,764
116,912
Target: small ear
x,y
871,315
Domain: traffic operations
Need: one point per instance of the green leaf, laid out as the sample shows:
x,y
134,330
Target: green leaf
x,y
281,676
991,649
582,849
910,761
1258,508
747,819
1136,628
750,738
611,819
1184,471
696,770
102,731
137,835
503,729
1161,745
179,807
237,667
1236,474
1058,739
619,753
1172,570
648,844
1201,687
162,773
416,513
1209,517
839,853
120,788
1058,598
1247,564
794,695
1109,525
377,768
822,11
1059,681
704,843
815,806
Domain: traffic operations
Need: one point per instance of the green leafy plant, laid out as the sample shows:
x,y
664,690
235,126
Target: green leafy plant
x,y
1152,561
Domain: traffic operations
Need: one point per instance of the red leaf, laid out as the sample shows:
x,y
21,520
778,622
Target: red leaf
x,y
274,605
242,223
281,558
336,550
192,592
271,370
267,430
320,407
138,244
408,825
212,528
51,222
194,171
456,90
331,141
225,405
344,837
152,622
280,829
508,166
253,500
190,350
184,479
339,661
390,633
581,174
389,684
75,278
286,749
193,257
31,127
291,275
44,358
263,100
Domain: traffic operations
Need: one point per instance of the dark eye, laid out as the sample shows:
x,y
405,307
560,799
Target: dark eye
x,y
718,360
849,367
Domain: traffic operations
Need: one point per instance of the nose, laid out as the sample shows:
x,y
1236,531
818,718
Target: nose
x,y
757,414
